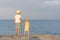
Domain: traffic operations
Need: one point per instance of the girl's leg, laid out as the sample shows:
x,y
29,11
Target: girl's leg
x,y
24,35
28,35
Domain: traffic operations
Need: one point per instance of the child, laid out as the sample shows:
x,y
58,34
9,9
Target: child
x,y
26,27
18,21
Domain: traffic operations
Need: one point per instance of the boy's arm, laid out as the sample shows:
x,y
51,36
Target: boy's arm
x,y
23,24
21,20
14,19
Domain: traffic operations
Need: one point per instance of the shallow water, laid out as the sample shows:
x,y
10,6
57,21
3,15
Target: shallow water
x,y
37,27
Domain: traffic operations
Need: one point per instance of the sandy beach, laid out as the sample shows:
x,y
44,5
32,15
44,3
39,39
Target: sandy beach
x,y
31,37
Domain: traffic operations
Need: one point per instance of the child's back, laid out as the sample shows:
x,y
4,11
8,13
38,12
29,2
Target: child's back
x,y
27,26
17,21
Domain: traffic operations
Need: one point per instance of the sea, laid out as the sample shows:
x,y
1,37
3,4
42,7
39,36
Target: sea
x,y
7,27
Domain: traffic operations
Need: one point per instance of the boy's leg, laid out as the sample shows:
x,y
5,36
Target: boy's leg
x,y
17,30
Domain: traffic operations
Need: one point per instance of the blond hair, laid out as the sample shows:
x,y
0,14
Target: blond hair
x,y
18,12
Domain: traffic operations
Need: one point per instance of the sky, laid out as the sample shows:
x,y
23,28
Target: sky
x,y
33,9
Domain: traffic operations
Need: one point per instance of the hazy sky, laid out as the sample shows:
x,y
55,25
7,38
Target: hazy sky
x,y
33,9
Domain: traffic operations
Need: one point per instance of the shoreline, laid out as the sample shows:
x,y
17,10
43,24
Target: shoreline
x,y
37,36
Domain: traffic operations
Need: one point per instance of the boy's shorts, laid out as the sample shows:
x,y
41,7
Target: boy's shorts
x,y
17,24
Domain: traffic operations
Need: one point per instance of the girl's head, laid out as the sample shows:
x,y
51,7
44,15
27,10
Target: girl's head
x,y
18,12
26,19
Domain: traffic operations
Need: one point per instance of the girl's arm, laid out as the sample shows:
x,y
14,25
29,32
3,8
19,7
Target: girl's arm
x,y
23,24
29,25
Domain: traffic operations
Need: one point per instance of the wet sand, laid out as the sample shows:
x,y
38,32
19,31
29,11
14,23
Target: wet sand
x,y
31,37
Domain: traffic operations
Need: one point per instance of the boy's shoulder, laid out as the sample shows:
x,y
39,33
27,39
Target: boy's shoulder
x,y
17,15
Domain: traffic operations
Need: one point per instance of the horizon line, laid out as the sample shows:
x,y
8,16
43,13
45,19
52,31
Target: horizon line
x,y
32,19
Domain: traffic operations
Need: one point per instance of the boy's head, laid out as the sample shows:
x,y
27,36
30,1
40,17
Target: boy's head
x,y
26,19
18,12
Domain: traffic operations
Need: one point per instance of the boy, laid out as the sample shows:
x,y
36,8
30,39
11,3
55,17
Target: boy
x,y
26,27
18,21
